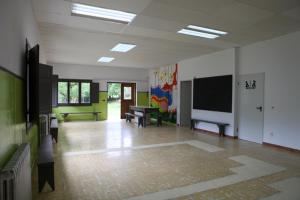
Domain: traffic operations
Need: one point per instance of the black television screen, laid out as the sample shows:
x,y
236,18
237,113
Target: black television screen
x,y
213,93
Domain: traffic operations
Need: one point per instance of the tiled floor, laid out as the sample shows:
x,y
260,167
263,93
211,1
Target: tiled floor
x,y
115,160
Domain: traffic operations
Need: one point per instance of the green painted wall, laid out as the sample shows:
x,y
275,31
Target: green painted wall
x,y
12,121
142,98
99,107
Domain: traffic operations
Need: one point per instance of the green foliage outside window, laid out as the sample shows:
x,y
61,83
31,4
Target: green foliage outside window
x,y
74,92
85,92
114,91
62,92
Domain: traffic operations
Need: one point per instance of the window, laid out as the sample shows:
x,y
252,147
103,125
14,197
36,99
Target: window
x,y
127,93
85,92
74,92
62,92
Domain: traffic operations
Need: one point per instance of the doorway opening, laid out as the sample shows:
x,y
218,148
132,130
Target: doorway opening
x,y
113,101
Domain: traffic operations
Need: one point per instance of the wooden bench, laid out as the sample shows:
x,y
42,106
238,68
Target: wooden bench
x,y
220,125
45,163
54,129
130,116
96,114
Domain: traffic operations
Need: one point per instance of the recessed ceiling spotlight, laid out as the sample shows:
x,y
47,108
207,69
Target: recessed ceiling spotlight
x,y
122,47
102,13
199,31
106,59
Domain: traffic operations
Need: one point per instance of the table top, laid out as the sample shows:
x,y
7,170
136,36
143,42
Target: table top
x,y
143,108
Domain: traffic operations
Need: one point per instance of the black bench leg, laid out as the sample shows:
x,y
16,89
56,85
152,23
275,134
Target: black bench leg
x,y
140,121
221,130
192,124
51,176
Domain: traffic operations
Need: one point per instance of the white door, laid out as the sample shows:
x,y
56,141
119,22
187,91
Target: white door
x,y
251,107
185,103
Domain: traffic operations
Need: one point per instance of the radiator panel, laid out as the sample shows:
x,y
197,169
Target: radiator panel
x,y
15,178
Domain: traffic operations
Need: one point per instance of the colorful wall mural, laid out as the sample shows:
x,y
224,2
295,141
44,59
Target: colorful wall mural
x,y
164,91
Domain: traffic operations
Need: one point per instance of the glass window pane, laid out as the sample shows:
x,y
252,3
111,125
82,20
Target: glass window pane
x,y
62,92
127,93
85,93
74,92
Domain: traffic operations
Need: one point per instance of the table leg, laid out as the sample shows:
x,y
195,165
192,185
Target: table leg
x,y
144,121
157,120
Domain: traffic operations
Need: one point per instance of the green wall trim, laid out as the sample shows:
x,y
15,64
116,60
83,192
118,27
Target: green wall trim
x,y
12,118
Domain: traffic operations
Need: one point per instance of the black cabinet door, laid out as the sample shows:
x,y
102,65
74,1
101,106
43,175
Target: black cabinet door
x,y
45,89
95,92
54,90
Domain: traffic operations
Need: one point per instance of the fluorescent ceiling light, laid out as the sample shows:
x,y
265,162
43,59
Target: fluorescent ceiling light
x,y
206,29
103,13
197,34
105,59
123,47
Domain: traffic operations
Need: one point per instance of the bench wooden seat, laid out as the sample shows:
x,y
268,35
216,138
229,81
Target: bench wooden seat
x,y
45,163
54,129
96,114
130,116
220,125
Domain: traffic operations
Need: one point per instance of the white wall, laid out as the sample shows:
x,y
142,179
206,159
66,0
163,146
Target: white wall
x,y
17,23
279,58
216,64
103,74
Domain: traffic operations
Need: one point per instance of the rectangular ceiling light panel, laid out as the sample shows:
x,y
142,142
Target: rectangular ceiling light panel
x,y
208,30
121,47
105,59
203,32
197,34
103,13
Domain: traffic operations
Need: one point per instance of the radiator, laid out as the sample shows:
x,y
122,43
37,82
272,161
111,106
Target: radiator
x,y
15,177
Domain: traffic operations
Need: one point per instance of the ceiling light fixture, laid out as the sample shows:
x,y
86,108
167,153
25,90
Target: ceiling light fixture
x,y
106,59
199,31
206,29
102,13
197,34
121,47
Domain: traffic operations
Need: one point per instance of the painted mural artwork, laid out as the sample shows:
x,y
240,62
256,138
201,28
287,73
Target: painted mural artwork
x,y
164,92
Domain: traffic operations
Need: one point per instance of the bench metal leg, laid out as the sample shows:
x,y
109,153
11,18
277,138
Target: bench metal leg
x,y
140,121
221,130
192,124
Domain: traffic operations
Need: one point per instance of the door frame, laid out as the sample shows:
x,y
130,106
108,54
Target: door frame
x,y
239,105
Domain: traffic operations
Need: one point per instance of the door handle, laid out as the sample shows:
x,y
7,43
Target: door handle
x,y
259,108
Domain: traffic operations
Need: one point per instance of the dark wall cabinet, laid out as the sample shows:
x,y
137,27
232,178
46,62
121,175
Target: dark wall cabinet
x,y
45,89
94,92
54,90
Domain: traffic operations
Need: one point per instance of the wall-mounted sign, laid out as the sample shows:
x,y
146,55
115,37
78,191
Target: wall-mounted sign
x,y
250,85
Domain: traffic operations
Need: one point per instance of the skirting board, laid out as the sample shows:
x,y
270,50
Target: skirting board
x,y
275,146
214,133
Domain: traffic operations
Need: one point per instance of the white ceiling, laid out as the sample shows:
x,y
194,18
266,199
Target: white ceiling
x,y
79,40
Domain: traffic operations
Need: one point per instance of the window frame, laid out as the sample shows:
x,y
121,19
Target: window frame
x,y
79,81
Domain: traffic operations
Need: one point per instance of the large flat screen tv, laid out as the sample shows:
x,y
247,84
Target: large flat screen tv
x,y
213,93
